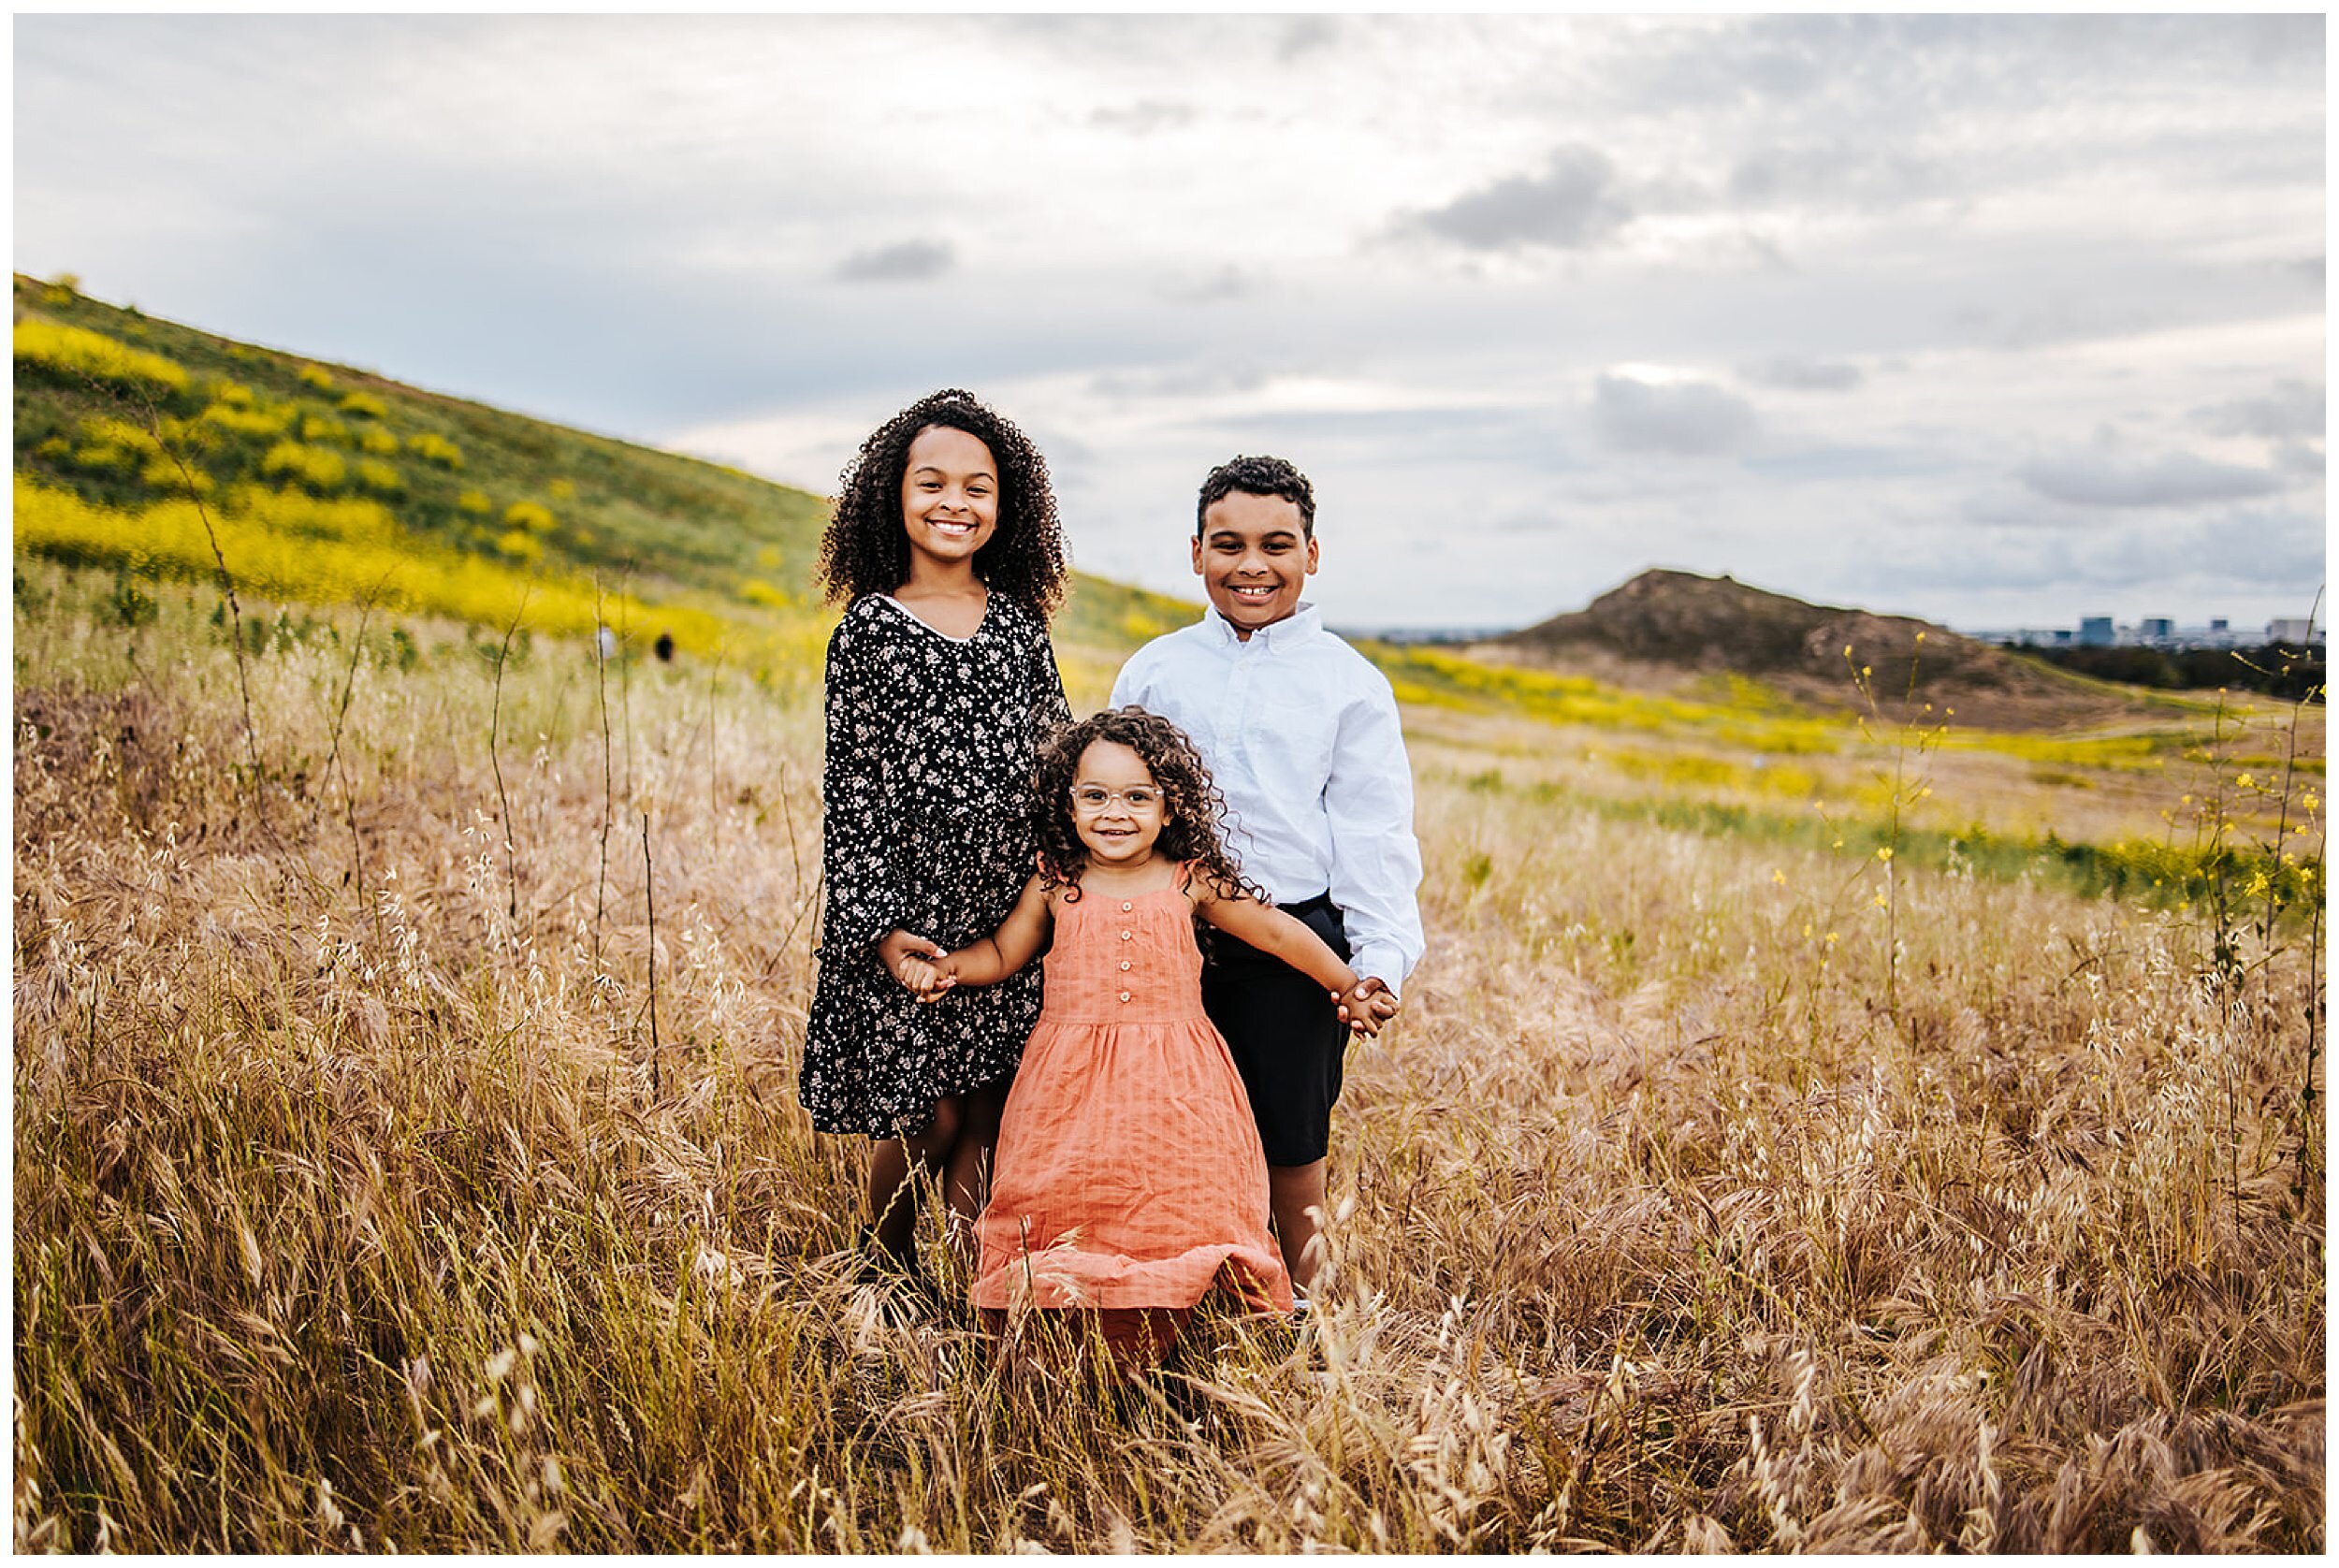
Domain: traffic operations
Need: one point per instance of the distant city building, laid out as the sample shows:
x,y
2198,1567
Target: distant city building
x,y
2157,632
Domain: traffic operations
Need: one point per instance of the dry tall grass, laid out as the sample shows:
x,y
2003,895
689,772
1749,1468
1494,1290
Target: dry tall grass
x,y
353,1209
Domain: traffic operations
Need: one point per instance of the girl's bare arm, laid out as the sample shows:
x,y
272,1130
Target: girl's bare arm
x,y
1272,931
1017,941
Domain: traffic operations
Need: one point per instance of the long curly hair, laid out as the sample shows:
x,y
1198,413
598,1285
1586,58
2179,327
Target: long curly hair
x,y
865,548
1194,809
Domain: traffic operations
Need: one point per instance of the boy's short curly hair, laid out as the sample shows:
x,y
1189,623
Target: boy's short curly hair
x,y
1259,476
865,548
1193,808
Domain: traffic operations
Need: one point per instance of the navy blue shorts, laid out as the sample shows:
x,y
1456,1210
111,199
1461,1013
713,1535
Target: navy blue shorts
x,y
1284,1033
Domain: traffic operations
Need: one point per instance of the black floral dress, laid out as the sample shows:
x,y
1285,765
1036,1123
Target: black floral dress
x,y
931,740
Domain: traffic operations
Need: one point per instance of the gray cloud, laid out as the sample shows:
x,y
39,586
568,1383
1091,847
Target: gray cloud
x,y
2179,480
1228,282
1836,173
1571,204
909,261
1690,418
1304,37
1179,380
2293,409
1806,373
1145,117
2304,460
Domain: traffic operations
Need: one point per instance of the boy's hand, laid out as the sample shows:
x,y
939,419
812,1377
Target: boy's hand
x,y
1366,1008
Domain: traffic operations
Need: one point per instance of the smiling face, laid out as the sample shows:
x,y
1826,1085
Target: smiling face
x,y
949,496
1117,807
1254,555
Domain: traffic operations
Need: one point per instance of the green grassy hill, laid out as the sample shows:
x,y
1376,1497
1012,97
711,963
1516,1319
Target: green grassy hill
x,y
325,484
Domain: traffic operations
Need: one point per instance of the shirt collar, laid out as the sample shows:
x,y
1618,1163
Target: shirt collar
x,y
1299,627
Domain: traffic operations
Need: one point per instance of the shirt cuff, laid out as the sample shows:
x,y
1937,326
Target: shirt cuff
x,y
1385,964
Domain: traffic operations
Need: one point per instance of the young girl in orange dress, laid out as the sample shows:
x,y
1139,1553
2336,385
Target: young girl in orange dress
x,y
1130,1180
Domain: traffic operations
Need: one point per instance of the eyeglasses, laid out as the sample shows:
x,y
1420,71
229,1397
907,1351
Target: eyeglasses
x,y
1090,799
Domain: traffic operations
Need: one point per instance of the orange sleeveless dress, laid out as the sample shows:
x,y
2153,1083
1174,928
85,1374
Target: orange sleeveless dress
x,y
1128,1174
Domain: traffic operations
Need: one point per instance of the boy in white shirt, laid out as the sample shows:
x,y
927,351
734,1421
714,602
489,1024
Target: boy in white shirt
x,y
1300,734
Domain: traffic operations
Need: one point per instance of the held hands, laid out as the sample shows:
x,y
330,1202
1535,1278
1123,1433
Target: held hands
x,y
920,965
1366,1005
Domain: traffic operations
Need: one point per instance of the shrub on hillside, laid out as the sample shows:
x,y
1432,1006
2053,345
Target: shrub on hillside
x,y
114,435
381,444
311,466
520,544
435,449
380,477
73,352
249,421
176,477
315,427
476,502
365,405
317,376
528,514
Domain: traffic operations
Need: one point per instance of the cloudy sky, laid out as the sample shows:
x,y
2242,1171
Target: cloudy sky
x,y
1999,321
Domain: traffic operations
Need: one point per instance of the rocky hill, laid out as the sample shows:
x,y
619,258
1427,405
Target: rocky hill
x,y
1668,628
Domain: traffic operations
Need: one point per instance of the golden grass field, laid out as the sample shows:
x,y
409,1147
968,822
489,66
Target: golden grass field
x,y
407,1154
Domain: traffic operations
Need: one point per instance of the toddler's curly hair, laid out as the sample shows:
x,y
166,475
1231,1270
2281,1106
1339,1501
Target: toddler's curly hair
x,y
865,548
1193,808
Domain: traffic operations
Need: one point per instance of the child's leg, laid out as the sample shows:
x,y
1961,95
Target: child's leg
x,y
893,1204
1295,1195
1288,1042
966,1179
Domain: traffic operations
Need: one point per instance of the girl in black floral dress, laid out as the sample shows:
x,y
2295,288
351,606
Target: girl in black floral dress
x,y
940,685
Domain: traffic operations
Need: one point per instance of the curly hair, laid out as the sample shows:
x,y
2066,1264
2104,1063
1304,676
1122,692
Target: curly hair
x,y
865,548
1259,476
1193,808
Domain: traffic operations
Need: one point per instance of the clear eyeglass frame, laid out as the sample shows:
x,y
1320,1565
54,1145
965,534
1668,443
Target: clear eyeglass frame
x,y
1091,799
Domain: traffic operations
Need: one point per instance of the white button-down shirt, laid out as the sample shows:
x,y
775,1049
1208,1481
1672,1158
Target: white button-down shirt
x,y
1300,733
